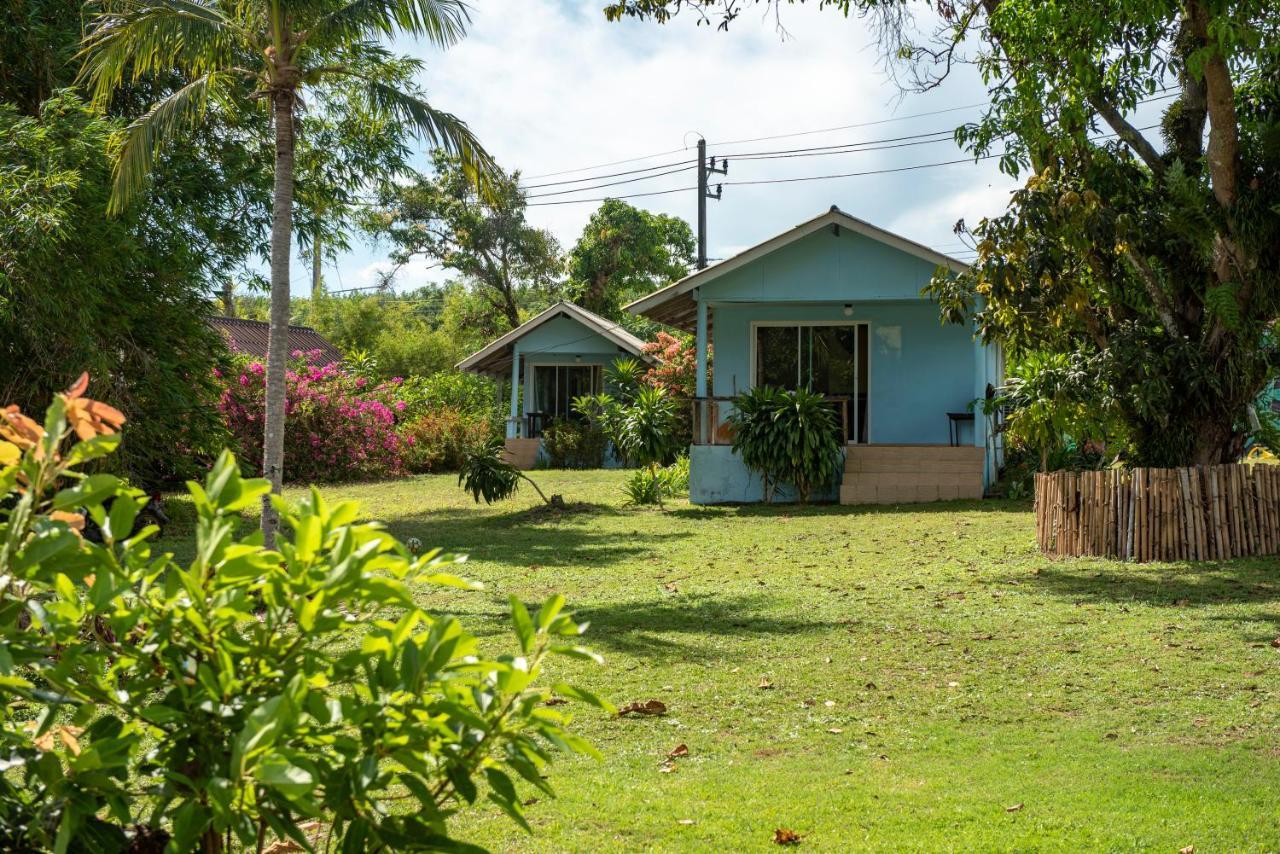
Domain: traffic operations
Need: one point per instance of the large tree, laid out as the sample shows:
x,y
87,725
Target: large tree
x,y
485,237
234,54
1151,258
625,252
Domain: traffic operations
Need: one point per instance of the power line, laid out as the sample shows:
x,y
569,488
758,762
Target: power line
x,y
857,125
611,183
609,175
606,198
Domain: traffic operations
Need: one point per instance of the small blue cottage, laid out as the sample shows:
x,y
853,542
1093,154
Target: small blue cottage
x,y
550,359
835,304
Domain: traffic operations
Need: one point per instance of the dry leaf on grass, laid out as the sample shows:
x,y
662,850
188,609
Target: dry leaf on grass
x,y
1013,808
685,821
647,707
1190,849
554,701
1276,643
765,684
678,751
835,730
783,836
668,766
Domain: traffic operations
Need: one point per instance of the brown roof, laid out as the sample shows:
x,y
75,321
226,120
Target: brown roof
x,y
250,337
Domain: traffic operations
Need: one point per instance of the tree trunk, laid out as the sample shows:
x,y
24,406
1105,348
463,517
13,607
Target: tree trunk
x,y
317,283
510,308
228,298
278,340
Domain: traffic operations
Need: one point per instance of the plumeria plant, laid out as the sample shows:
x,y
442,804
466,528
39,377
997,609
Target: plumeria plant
x,y
251,696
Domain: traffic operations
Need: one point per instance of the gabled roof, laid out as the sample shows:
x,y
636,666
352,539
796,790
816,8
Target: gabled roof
x,y
250,337
674,305
496,358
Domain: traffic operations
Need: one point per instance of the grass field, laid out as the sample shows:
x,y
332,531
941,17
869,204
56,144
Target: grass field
x,y
909,678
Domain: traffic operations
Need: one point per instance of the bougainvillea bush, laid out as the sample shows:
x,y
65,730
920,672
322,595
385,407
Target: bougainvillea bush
x,y
339,426
677,367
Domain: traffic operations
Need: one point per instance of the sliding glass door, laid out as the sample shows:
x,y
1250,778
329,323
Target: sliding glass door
x,y
555,387
830,359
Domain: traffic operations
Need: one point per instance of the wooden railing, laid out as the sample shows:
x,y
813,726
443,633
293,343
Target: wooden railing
x,y
711,425
1197,513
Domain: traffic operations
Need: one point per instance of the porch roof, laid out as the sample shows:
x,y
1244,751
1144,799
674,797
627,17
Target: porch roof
x,y
675,305
496,357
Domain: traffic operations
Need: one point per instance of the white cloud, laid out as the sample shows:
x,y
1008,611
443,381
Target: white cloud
x,y
550,85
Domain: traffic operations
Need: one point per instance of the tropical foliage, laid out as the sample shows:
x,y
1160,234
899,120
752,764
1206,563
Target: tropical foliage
x,y
787,437
254,695
487,474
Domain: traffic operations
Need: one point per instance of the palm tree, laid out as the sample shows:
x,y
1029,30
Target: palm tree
x,y
237,53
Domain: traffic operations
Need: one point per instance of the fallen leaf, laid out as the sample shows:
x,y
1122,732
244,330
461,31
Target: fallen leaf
x,y
1111,736
685,821
530,802
830,704
1013,808
1190,849
835,730
679,750
671,587
953,684
783,836
765,684
554,701
648,707
668,766
1276,643
808,704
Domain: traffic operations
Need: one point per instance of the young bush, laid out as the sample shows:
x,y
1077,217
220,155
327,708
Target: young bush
x,y
574,445
787,437
646,432
486,473
250,695
650,486
438,439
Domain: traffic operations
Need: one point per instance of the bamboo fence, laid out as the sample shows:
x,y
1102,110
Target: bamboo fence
x,y
1147,514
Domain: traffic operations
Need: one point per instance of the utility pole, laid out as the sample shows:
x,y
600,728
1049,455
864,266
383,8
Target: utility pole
x,y
704,193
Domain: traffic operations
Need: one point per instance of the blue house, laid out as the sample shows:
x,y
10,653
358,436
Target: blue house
x,y
835,304
550,359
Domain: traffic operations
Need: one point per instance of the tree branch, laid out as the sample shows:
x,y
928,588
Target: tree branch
x,y
1129,134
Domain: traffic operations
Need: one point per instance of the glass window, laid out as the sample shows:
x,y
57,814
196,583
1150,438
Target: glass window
x,y
555,387
831,360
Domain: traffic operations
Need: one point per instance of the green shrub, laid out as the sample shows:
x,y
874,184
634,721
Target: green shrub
x,y
787,437
488,474
147,703
574,444
650,485
438,439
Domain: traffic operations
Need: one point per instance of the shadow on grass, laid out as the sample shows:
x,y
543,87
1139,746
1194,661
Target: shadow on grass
x,y
1179,585
720,511
538,535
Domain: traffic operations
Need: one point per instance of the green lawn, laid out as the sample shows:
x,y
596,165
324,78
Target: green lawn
x,y
888,678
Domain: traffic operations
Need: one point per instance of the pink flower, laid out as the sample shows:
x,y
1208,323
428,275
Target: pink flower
x,y
257,368
244,380
399,406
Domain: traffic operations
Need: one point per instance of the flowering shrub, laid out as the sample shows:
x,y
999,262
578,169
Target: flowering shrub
x,y
339,426
439,439
677,368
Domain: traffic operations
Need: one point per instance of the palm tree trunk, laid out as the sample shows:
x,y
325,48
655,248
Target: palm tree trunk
x,y
278,340
317,283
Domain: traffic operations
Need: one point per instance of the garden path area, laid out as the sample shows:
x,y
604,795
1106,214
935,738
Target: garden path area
x,y
874,678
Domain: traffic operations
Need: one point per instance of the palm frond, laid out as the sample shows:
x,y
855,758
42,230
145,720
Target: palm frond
x,y
147,135
441,22
190,36
438,128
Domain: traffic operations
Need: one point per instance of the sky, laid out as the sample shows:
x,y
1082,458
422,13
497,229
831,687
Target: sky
x,y
550,85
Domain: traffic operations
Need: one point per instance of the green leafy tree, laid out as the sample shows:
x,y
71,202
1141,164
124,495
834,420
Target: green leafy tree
x,y
485,237
624,253
646,431
787,437
1151,258
252,696
233,55
124,297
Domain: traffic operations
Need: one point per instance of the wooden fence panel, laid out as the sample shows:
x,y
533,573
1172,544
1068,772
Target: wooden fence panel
x,y
1148,514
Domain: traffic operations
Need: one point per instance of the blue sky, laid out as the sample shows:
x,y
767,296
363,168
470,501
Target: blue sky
x,y
549,85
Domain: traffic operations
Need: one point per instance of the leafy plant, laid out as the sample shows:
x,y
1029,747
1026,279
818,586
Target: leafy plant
x,y
488,474
650,486
787,437
626,376
253,694
439,439
646,432
574,444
